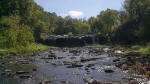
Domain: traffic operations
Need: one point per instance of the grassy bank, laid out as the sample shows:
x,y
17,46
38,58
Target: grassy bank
x,y
144,49
21,49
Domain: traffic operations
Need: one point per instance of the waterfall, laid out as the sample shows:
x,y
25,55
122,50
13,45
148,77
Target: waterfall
x,y
95,40
85,43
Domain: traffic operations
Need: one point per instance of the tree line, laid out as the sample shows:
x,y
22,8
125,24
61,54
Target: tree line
x,y
23,22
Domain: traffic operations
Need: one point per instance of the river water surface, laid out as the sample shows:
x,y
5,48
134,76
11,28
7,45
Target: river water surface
x,y
79,66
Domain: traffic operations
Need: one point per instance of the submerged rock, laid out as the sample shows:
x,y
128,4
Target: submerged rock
x,y
25,76
21,72
88,80
74,65
8,70
109,71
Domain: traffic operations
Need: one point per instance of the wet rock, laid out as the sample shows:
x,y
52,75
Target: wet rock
x,y
3,73
109,71
47,58
34,69
88,80
47,81
67,63
1,57
60,57
25,62
118,52
96,82
10,62
86,68
90,65
21,72
10,75
74,51
72,57
89,71
88,59
133,82
25,76
52,55
116,60
93,68
7,70
57,64
74,65
65,82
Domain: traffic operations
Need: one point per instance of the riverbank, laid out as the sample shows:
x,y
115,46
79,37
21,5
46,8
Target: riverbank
x,y
92,64
14,61
83,65
20,50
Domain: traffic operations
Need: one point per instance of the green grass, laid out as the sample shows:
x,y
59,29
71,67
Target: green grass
x,y
144,49
31,47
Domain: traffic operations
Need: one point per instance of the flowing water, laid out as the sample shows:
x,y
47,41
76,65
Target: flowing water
x,y
78,66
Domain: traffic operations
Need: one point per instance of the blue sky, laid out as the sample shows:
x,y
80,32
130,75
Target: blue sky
x,y
79,8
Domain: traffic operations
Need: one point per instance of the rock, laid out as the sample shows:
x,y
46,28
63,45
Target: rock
x,y
116,60
74,65
118,52
67,63
93,68
88,80
88,59
52,55
89,71
47,81
90,65
10,62
10,75
8,70
96,82
34,69
65,82
109,71
86,68
21,72
3,73
57,64
72,57
60,57
47,58
25,61
25,76
134,82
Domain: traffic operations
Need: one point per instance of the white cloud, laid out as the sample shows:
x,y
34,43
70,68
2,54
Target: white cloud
x,y
75,13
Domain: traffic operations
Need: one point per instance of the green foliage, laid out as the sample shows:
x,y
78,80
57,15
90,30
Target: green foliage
x,y
139,10
105,23
13,34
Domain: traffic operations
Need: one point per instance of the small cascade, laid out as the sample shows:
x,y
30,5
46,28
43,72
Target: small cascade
x,y
95,40
85,43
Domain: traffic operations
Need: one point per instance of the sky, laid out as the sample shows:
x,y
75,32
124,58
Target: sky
x,y
79,8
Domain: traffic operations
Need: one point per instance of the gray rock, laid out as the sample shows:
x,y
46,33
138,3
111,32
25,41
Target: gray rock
x,y
109,71
21,72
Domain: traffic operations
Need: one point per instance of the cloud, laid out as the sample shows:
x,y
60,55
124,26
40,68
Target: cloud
x,y
75,13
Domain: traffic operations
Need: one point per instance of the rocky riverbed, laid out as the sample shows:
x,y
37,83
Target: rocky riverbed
x,y
78,65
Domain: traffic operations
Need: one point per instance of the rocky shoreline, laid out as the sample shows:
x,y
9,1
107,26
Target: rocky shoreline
x,y
82,65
